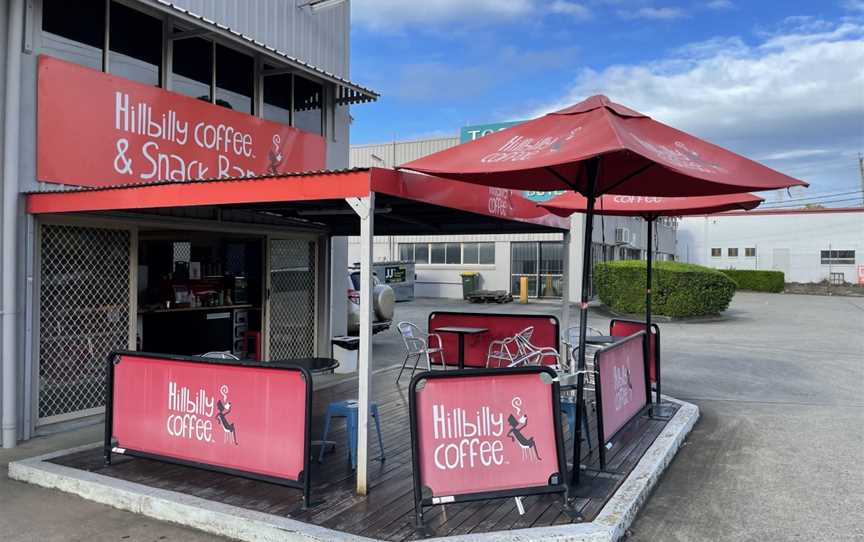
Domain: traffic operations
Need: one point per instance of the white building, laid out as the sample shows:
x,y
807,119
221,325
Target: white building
x,y
502,259
808,245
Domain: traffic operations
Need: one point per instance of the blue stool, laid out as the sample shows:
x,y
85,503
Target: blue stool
x,y
348,410
568,408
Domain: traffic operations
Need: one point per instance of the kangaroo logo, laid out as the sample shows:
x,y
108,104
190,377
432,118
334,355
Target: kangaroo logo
x,y
526,444
275,156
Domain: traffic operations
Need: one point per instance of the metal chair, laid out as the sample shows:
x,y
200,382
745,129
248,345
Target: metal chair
x,y
419,345
530,354
571,341
507,350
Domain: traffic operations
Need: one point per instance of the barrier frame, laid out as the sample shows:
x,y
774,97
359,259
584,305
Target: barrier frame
x,y
552,317
559,486
304,479
598,391
656,331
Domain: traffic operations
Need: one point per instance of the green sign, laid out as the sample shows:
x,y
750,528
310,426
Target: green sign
x,y
471,133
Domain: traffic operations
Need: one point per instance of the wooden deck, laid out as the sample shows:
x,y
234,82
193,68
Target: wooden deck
x,y
388,511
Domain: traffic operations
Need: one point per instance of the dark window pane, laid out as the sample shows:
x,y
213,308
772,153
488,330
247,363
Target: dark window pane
x,y
235,76
192,66
406,252
715,252
750,252
136,45
471,253
732,252
277,98
487,253
74,31
454,253
524,258
308,105
437,253
551,261
421,253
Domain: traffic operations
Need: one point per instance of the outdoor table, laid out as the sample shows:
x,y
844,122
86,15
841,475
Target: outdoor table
x,y
460,332
316,366
602,339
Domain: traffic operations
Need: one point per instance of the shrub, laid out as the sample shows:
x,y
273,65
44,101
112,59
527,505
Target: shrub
x,y
677,289
758,281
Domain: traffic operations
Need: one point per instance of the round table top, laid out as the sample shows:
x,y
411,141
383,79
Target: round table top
x,y
313,365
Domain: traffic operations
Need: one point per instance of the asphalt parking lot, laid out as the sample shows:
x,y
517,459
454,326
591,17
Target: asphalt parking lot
x,y
777,455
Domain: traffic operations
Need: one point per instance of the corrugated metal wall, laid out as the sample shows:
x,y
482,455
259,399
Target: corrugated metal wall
x,y
321,39
397,153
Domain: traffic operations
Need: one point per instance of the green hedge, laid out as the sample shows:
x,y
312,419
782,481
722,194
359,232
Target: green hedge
x,y
758,281
678,289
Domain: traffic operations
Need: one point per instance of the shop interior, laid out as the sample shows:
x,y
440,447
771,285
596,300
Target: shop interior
x,y
200,292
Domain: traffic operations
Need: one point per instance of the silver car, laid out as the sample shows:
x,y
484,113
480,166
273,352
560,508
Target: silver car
x,y
384,301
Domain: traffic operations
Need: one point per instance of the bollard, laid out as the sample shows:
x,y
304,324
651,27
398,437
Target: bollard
x,y
523,290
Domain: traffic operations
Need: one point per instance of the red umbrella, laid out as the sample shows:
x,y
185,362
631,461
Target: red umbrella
x,y
650,208
599,147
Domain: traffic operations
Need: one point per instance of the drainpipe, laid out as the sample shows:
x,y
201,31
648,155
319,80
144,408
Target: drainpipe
x,y
11,107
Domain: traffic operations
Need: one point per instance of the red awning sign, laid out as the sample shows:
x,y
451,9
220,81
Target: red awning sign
x,y
97,129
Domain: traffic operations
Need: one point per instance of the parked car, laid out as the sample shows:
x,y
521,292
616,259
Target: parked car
x,y
384,301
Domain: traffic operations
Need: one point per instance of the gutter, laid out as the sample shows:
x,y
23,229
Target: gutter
x,y
12,119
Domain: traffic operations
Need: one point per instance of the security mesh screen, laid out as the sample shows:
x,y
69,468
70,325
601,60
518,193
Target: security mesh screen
x,y
84,315
292,299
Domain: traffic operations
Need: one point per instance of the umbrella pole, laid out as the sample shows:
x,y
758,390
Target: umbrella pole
x,y
593,169
649,271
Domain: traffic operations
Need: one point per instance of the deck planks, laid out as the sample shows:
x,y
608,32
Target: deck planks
x,y
387,513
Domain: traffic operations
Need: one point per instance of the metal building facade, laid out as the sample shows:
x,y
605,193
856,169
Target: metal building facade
x,y
622,237
281,34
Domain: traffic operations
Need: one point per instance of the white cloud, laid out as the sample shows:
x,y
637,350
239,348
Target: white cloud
x,y
570,8
777,100
720,4
657,14
853,5
396,14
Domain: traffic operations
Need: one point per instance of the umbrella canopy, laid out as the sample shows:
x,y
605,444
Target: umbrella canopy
x,y
649,207
638,156
599,147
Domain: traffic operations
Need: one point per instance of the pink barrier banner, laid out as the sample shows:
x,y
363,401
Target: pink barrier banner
x,y
224,416
622,387
500,326
485,433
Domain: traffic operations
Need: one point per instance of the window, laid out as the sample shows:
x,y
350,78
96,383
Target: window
x,y
715,252
448,253
453,254
277,98
421,253
192,67
75,31
750,252
308,105
406,252
838,257
732,252
136,45
436,253
235,76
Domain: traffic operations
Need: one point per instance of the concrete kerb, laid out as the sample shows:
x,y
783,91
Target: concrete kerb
x,y
610,524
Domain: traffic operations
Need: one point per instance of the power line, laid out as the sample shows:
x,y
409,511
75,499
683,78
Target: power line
x,y
817,196
801,205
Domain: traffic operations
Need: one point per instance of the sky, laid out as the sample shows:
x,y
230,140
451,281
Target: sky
x,y
781,82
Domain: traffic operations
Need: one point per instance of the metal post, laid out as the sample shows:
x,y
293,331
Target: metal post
x,y
648,272
15,33
565,297
367,229
593,170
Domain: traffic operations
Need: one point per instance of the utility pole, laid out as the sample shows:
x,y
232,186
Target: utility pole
x,y
861,171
